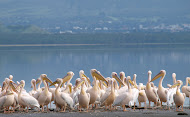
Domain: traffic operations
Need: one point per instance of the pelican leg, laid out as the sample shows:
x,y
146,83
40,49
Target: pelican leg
x,y
42,108
64,108
79,108
5,110
134,106
96,106
47,108
139,104
149,104
87,109
161,104
145,106
181,107
176,108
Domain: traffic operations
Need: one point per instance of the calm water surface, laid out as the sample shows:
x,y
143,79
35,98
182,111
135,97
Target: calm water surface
x,y
26,63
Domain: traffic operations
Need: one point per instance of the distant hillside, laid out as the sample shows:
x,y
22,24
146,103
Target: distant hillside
x,y
21,29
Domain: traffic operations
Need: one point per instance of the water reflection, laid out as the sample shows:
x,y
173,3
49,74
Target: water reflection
x,y
28,63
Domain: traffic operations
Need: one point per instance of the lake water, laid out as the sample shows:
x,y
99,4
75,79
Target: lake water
x,y
26,63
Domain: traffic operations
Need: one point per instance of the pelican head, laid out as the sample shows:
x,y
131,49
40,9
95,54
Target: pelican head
x,y
162,73
11,77
58,81
178,84
97,75
44,77
68,77
114,75
81,74
149,72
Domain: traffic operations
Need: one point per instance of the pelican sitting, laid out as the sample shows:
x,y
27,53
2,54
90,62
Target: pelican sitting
x,y
179,98
162,92
151,92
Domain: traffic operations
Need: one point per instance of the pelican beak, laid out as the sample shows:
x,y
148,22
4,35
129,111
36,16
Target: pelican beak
x,y
66,78
98,76
80,84
12,86
132,83
157,76
176,84
47,79
37,81
70,88
105,84
189,81
53,83
118,79
83,75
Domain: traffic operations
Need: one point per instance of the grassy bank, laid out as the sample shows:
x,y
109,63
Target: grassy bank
x,y
96,38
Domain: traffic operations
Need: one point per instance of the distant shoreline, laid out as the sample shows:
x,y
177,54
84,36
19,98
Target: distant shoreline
x,y
38,45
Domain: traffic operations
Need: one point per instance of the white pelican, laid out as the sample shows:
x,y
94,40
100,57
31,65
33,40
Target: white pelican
x,y
33,85
81,74
44,98
186,89
125,97
122,77
97,75
162,92
26,100
109,97
179,98
151,92
171,92
84,98
62,98
142,95
7,100
94,92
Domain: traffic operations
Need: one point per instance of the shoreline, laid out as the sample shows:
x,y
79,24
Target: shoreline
x,y
130,44
103,113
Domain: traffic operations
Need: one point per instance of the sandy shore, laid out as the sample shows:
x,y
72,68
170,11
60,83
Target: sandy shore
x,y
102,113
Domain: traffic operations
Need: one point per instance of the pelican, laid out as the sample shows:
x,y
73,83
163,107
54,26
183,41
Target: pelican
x,y
162,92
142,95
44,98
25,99
171,92
94,92
33,85
151,92
186,89
122,77
81,74
109,97
62,98
84,98
8,99
125,97
179,98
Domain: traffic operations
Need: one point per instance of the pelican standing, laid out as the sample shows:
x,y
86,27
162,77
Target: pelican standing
x,y
151,92
179,98
162,92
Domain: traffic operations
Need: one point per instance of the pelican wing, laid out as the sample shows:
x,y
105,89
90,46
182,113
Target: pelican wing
x,y
29,100
36,95
67,98
119,99
170,95
2,100
105,96
188,89
155,92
